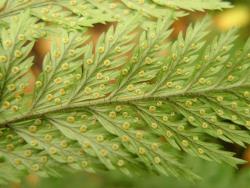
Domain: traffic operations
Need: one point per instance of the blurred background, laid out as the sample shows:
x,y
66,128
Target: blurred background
x,y
214,175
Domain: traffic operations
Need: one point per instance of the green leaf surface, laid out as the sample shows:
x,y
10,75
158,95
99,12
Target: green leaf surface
x,y
134,101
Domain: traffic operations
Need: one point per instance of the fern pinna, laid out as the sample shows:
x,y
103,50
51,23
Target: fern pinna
x,y
135,101
85,13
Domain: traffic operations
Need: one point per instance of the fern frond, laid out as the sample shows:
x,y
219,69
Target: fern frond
x,y
9,173
196,5
71,14
85,13
25,157
16,44
129,106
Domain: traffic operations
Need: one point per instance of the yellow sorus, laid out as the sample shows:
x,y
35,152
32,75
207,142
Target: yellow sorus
x,y
112,114
65,66
185,143
157,160
126,125
15,69
152,109
115,147
125,138
52,150
64,144
83,129
18,53
141,150
154,125
32,128
103,152
70,119
35,167
99,138
6,105
3,58
8,43
58,80
120,163
89,61
101,49
106,62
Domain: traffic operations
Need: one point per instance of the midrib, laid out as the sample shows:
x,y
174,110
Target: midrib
x,y
115,100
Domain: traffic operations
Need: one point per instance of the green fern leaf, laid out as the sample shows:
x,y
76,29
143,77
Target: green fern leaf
x,y
85,13
133,106
194,5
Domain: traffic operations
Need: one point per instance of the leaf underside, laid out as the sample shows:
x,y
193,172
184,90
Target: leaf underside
x,y
85,13
135,101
